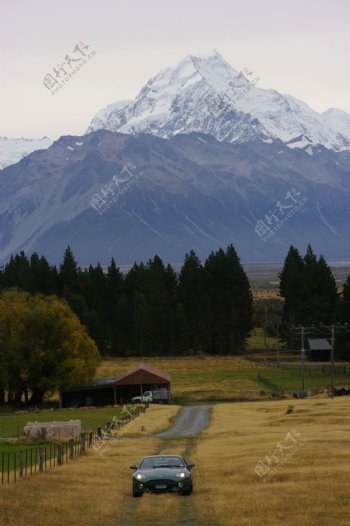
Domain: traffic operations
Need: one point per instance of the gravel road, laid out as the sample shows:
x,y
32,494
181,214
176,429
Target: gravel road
x,y
189,422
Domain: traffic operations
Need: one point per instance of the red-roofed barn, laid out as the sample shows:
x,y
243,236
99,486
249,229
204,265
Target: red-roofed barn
x,y
118,389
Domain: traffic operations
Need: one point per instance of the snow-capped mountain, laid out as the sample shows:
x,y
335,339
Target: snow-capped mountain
x,y
338,119
205,94
108,113
13,150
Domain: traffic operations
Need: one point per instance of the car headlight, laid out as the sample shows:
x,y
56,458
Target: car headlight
x,y
139,476
181,475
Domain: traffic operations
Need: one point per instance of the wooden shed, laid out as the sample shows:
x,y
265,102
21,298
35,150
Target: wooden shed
x,y
320,349
118,389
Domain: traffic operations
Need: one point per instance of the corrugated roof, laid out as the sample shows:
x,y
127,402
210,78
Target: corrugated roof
x,y
319,344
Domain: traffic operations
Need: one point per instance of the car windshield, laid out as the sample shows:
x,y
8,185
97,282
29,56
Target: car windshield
x,y
162,462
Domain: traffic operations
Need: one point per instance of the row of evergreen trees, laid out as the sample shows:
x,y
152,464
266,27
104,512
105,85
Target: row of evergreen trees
x,y
150,310
310,291
206,307
311,297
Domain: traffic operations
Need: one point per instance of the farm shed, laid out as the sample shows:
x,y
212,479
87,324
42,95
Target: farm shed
x,y
320,349
116,390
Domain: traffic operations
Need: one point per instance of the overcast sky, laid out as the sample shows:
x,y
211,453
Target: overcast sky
x,y
299,47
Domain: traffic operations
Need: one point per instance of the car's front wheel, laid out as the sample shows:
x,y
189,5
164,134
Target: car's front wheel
x,y
136,493
188,491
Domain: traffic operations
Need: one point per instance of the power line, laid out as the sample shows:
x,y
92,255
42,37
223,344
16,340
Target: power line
x,y
322,329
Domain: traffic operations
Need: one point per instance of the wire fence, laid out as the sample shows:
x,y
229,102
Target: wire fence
x,y
28,461
272,385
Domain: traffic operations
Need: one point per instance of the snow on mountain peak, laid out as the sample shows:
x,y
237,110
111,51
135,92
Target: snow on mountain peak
x,y
339,120
13,150
203,93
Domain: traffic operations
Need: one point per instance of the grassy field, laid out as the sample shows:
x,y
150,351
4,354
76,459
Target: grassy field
x,y
11,425
9,454
304,484
197,378
305,479
93,490
222,378
257,341
289,378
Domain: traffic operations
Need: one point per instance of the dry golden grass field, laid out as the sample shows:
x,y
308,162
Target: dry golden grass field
x,y
197,377
256,465
224,378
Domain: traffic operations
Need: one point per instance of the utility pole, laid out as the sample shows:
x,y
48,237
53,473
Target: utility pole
x,y
332,362
302,360
265,324
342,328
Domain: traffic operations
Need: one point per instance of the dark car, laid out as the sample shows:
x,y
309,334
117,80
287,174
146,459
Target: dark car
x,y
162,473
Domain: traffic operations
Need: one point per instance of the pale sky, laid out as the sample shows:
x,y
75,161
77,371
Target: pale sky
x,y
299,47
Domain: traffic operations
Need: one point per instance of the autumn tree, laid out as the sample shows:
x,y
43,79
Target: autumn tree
x,y
44,347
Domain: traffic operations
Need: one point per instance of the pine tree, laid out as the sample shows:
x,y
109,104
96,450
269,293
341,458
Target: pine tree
x,y
230,302
157,297
191,296
309,290
17,273
241,317
69,275
140,323
343,316
45,277
292,286
344,306
114,288
94,291
320,297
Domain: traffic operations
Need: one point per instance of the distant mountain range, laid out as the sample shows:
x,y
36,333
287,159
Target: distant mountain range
x,y
201,158
13,150
132,196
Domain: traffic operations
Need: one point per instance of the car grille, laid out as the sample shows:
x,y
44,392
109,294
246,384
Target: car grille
x,y
169,484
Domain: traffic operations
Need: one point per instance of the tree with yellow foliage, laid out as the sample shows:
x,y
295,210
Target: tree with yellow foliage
x,y
43,347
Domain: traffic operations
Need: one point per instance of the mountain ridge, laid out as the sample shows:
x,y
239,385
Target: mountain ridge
x,y
168,196
205,94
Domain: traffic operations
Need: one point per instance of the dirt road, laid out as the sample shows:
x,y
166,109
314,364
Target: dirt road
x,y
191,421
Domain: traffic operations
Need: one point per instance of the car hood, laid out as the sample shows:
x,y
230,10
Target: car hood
x,y
161,473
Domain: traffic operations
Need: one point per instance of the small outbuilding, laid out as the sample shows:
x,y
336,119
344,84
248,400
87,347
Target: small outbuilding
x,y
117,389
320,349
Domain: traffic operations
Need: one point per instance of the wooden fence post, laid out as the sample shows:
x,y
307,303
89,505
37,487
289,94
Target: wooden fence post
x,y
40,459
59,454
82,443
20,463
71,449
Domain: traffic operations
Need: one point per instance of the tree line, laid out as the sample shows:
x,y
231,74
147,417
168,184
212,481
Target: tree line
x,y
152,310
149,310
311,296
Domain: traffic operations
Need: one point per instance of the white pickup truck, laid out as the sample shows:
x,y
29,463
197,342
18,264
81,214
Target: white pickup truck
x,y
158,396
